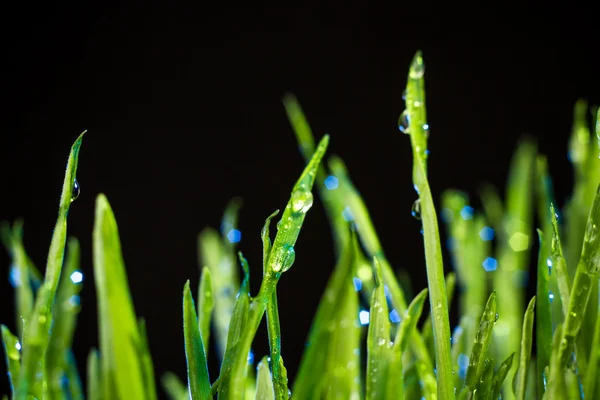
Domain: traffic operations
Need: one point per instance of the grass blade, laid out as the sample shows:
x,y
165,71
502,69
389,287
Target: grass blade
x,y
378,341
95,386
559,264
197,369
279,371
481,344
264,384
205,307
590,389
410,320
500,376
36,334
65,311
174,387
122,372
419,132
13,357
146,360
484,386
555,388
526,342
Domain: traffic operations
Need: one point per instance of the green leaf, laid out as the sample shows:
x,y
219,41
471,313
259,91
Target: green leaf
x,y
264,384
65,311
122,371
378,341
205,307
197,369
13,357
481,344
526,342
419,133
500,376
95,385
174,387
146,360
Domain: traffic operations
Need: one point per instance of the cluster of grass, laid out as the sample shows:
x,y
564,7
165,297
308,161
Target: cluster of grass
x,y
488,355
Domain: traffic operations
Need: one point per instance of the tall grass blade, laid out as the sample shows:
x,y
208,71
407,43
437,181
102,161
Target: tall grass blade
x,y
526,343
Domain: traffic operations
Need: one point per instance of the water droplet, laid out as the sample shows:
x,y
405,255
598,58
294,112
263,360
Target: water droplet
x,y
439,304
288,258
550,296
573,314
496,317
404,122
417,68
381,341
416,209
42,319
75,191
302,201
549,263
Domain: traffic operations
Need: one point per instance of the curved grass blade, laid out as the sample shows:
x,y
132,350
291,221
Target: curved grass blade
x,y
205,307
378,341
13,357
122,371
419,132
410,320
264,384
174,387
427,327
65,311
197,369
146,360
500,376
95,385
526,342
559,263
36,334
281,258
481,344
279,371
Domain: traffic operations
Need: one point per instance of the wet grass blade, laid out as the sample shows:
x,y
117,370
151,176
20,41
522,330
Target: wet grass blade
x,y
378,341
13,357
481,344
36,334
419,133
281,257
485,381
500,376
586,276
409,320
555,389
65,311
593,371
197,369
122,372
559,264
95,386
526,342
264,384
274,330
174,387
205,307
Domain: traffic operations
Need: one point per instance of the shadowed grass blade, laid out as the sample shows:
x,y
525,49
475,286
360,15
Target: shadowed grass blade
x,y
146,360
174,387
122,372
205,307
378,341
500,376
264,384
526,342
36,334
419,133
197,369
484,386
481,344
65,311
13,357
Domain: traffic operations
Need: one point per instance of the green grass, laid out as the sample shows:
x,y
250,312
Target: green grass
x,y
490,353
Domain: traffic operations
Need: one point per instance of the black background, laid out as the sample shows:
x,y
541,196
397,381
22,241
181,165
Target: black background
x,y
182,104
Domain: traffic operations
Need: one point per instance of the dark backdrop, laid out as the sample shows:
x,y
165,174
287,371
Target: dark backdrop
x,y
182,104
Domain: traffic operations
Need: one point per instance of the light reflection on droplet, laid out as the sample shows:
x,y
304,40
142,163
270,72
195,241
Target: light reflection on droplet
x,y
357,283
490,264
395,317
76,277
363,317
234,236
331,182
550,296
18,346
